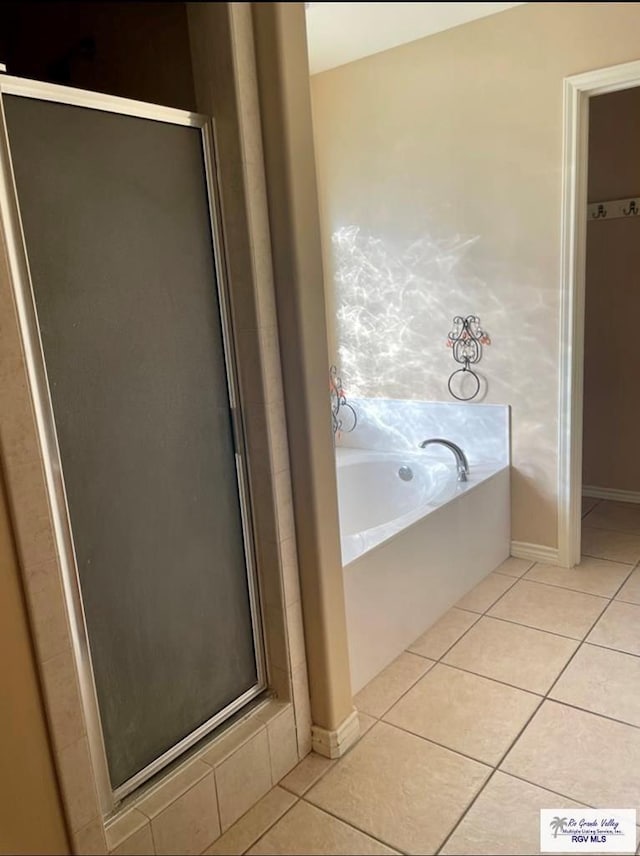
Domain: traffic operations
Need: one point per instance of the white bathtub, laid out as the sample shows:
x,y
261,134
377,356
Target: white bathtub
x,y
412,547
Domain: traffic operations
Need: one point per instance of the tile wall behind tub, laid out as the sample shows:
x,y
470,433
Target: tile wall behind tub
x,y
482,430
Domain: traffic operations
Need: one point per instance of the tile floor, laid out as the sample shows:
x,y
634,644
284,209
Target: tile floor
x,y
525,695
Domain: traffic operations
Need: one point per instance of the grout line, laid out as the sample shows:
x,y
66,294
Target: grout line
x,y
582,591
572,657
544,695
268,829
551,790
514,581
489,678
609,648
511,576
410,687
543,698
593,712
538,708
630,602
444,653
625,565
424,657
597,502
526,579
354,826
613,597
493,772
467,810
532,627
583,640
478,615
576,590
320,777
485,614
633,562
215,788
432,660
137,803
153,838
495,769
521,779
298,798
586,636
521,732
224,832
634,532
431,740
460,609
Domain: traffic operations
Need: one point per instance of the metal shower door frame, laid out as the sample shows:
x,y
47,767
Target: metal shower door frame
x,y
36,368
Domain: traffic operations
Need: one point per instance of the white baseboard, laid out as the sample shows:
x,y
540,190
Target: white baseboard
x,y
611,493
534,552
333,744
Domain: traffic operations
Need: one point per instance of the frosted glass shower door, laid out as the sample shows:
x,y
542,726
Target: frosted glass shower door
x,y
119,228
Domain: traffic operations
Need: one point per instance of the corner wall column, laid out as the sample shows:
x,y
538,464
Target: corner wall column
x,y
283,80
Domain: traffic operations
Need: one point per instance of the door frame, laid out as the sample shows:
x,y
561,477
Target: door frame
x,y
60,524
578,89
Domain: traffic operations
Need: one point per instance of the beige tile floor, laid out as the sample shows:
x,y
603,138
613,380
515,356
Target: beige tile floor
x,y
525,695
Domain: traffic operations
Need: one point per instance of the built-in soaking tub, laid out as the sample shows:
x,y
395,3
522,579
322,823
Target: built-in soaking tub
x,y
414,540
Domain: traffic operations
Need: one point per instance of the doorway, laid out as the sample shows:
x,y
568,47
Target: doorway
x,y
119,278
579,90
611,464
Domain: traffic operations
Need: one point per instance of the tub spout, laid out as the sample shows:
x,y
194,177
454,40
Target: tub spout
x,y
462,465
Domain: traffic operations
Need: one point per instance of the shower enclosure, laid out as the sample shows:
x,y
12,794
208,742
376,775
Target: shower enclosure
x,y
111,214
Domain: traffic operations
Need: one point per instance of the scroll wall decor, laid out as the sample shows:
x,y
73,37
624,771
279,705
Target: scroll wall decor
x,y
615,209
466,339
340,407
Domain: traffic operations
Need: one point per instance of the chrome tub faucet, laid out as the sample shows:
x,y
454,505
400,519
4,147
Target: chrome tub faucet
x,y
462,464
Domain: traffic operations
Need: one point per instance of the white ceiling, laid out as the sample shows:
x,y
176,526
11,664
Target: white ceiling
x,y
342,32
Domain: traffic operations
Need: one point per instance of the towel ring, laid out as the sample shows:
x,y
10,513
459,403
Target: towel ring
x,y
473,375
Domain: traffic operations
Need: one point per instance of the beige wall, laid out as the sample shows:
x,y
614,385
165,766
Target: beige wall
x,y
446,154
611,404
31,819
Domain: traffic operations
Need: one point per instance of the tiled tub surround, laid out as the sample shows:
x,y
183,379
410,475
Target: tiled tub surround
x,y
412,548
497,711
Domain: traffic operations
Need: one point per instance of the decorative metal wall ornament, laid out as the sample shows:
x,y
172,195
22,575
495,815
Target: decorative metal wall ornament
x,y
466,340
614,210
339,404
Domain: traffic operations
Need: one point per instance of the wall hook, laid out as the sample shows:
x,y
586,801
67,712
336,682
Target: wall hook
x,y
614,209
